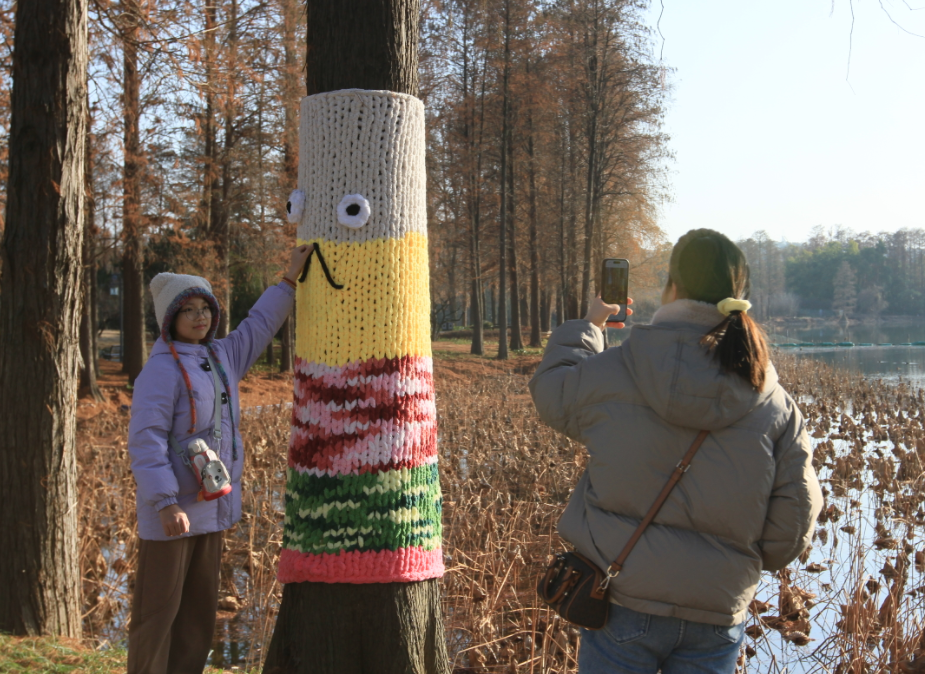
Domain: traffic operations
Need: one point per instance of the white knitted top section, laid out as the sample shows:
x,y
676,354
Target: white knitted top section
x,y
357,143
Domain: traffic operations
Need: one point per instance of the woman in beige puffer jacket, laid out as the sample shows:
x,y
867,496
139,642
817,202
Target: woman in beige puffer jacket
x,y
748,502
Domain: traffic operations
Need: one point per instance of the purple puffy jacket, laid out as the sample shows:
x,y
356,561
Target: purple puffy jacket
x,y
160,404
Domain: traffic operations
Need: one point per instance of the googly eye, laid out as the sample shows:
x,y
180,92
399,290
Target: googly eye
x,y
353,211
294,206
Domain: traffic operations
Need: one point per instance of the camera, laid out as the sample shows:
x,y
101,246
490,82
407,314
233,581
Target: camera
x,y
214,480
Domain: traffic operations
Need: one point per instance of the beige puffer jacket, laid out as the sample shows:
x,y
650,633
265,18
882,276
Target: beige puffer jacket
x,y
750,499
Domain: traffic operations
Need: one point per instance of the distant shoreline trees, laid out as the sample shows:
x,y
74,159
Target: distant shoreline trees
x,y
838,271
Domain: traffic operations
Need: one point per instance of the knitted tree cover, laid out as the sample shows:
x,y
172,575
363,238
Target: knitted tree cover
x,y
363,500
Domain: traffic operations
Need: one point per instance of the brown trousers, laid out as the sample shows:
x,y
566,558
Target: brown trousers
x,y
174,605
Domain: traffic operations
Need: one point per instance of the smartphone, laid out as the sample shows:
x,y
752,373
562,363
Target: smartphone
x,y
615,274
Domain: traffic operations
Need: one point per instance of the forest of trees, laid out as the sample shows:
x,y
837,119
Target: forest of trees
x,y
838,272
545,154
544,142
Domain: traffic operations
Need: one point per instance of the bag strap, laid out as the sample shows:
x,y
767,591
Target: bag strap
x,y
216,417
683,465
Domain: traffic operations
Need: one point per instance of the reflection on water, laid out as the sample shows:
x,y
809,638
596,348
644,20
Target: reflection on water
x,y
891,363
875,334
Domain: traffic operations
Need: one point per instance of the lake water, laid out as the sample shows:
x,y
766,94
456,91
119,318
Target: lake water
x,y
891,363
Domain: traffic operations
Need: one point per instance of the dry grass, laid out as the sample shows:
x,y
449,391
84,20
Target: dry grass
x,y
853,604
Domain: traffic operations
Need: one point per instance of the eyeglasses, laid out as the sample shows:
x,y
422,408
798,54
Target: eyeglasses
x,y
193,314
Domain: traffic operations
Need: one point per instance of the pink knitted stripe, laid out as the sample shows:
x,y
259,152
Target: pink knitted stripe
x,y
408,444
360,567
362,371
360,421
376,388
363,417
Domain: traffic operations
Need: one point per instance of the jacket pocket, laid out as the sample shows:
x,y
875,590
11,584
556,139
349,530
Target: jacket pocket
x,y
625,625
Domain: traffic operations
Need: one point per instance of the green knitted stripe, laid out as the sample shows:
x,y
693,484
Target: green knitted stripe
x,y
375,511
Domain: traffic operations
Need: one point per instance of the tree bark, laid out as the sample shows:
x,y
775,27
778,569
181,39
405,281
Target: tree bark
x,y
291,96
517,340
88,350
222,233
501,313
545,309
314,619
39,321
287,343
562,251
572,304
474,198
535,320
380,627
95,316
134,343
362,44
593,101
210,185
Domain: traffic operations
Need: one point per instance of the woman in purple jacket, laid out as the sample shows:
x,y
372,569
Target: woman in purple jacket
x,y
176,582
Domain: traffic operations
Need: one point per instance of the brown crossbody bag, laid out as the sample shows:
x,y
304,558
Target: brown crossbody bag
x,y
573,585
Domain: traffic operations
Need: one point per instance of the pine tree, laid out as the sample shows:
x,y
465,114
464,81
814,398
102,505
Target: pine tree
x,y
845,290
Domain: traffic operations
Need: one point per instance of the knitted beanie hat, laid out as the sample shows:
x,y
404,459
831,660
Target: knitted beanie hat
x,y
170,293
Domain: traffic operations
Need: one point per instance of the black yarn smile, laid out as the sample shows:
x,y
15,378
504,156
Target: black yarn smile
x,y
324,268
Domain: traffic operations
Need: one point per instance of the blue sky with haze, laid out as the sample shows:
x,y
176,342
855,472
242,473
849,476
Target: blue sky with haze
x,y
769,134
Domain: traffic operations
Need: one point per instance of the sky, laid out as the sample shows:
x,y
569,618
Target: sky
x,y
777,125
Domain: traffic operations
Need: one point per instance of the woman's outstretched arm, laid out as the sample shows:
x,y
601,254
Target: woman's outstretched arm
x,y
245,343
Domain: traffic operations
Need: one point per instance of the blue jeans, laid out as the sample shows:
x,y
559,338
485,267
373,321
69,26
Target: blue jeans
x,y
641,643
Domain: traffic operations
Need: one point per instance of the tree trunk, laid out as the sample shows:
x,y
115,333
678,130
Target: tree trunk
x,y
474,199
545,309
285,345
378,627
476,318
362,44
135,347
290,154
88,350
475,216
505,141
210,186
517,340
572,304
221,234
590,207
345,628
562,252
535,340
451,285
95,316
39,321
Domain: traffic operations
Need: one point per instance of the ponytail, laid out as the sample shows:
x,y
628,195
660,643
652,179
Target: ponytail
x,y
706,266
738,344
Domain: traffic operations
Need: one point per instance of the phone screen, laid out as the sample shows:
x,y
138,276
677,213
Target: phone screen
x,y
614,286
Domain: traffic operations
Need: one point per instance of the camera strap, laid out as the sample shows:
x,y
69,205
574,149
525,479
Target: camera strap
x,y
216,417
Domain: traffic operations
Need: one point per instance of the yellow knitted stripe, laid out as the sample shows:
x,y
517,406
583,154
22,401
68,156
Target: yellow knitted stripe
x,y
382,310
